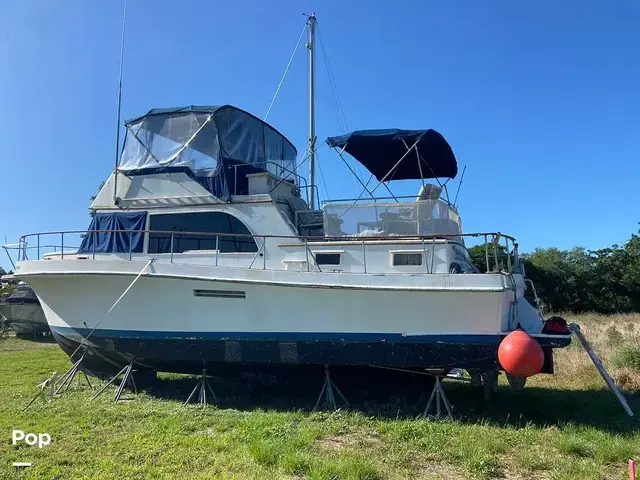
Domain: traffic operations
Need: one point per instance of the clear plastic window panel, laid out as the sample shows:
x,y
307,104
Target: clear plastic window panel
x,y
247,139
427,217
186,140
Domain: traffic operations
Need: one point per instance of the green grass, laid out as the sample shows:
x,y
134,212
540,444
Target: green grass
x,y
628,356
546,431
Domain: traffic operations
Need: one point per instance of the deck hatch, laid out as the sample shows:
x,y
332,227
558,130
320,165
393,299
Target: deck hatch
x,y
220,293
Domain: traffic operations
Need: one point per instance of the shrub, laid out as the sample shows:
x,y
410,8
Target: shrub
x,y
628,356
614,337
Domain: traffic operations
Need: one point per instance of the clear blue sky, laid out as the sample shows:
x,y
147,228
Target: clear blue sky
x,y
540,99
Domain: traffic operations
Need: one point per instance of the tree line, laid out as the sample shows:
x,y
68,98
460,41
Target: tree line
x,y
580,280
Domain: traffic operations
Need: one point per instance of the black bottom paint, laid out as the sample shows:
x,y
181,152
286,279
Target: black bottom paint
x,y
107,355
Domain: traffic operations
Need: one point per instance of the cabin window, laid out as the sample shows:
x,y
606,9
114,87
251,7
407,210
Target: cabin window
x,y
406,259
327,258
203,227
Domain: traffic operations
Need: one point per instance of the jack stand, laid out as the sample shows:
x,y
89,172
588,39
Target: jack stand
x,y
327,392
575,329
48,384
66,380
128,377
438,393
202,387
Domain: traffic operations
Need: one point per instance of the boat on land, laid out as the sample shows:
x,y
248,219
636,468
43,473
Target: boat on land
x,y
21,310
206,248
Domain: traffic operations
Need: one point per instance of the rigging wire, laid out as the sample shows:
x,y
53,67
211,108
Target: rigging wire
x,y
286,70
455,200
324,184
340,113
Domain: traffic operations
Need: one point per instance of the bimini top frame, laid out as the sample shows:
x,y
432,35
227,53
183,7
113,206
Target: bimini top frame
x,y
385,153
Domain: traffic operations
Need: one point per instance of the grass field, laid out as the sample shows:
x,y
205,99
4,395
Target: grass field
x,y
565,426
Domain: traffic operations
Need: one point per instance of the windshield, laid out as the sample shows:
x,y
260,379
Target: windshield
x,y
425,217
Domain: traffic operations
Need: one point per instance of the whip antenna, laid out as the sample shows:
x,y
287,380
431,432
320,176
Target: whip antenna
x,y
115,168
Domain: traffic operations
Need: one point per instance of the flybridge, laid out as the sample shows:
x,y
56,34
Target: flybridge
x,y
217,146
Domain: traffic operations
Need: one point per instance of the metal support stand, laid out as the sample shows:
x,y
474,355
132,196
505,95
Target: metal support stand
x,y
63,384
575,329
440,397
48,384
327,394
127,378
202,387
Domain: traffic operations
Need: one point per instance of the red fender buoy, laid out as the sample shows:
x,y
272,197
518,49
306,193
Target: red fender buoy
x,y
520,354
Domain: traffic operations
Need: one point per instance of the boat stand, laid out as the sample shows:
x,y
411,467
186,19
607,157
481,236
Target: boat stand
x,y
127,378
46,386
440,397
63,384
202,387
575,329
327,397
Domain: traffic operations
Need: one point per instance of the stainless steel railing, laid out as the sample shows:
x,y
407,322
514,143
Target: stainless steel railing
x,y
492,240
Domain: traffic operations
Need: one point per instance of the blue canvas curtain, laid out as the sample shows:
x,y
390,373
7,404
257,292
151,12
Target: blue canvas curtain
x,y
115,242
217,146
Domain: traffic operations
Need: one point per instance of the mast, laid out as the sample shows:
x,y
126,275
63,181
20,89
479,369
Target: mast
x,y
311,22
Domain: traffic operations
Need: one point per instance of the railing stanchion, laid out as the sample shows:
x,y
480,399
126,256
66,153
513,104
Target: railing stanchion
x,y
93,245
38,240
130,246
306,251
495,251
424,253
171,247
235,179
486,253
433,253
264,253
217,248
62,246
364,256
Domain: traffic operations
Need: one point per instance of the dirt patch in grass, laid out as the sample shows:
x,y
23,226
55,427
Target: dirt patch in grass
x,y
429,469
337,443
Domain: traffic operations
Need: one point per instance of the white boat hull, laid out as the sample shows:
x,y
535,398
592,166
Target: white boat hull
x,y
175,316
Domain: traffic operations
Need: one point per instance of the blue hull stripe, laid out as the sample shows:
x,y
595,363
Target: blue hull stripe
x,y
284,336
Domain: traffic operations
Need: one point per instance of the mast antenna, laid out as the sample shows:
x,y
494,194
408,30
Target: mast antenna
x,y
115,168
311,22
